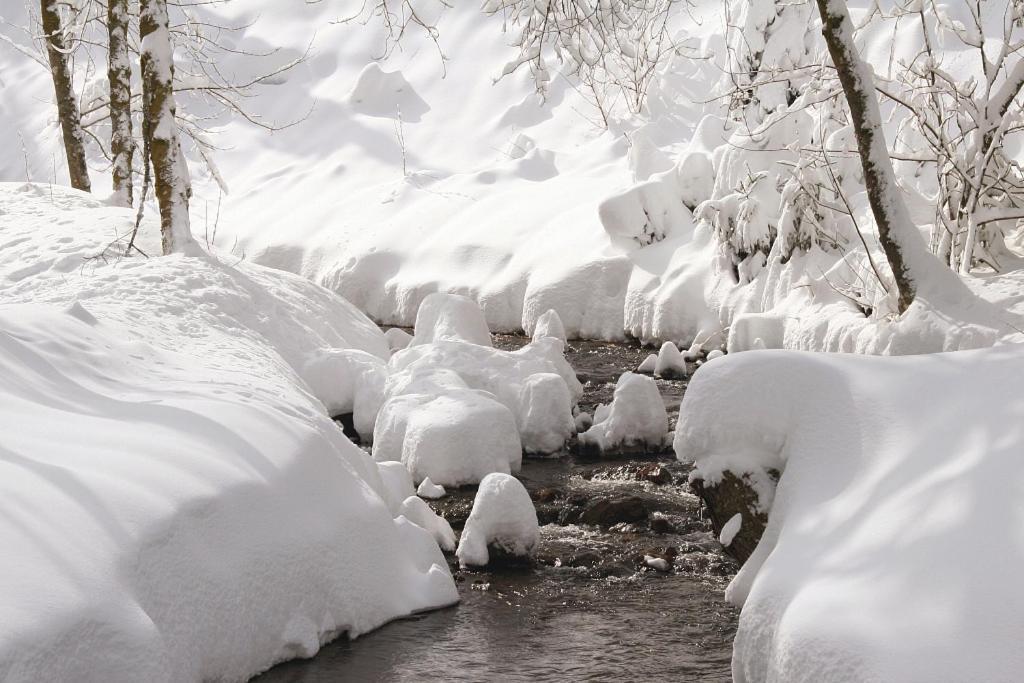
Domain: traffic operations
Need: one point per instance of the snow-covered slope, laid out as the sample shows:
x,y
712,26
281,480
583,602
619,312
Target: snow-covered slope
x,y
414,174
175,504
894,544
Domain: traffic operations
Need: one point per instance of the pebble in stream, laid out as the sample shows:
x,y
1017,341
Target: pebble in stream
x,y
590,607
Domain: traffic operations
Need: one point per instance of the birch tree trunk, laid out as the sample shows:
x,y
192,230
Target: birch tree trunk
x,y
67,107
170,172
903,245
119,74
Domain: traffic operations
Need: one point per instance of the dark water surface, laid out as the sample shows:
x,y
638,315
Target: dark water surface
x,y
590,608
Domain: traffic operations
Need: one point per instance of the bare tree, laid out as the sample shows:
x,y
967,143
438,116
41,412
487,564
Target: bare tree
x,y
160,129
67,107
903,245
119,74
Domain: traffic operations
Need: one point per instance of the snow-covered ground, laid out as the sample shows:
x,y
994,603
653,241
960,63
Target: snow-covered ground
x,y
414,174
175,502
894,542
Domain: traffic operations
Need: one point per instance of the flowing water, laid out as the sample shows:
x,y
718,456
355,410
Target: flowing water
x,y
590,607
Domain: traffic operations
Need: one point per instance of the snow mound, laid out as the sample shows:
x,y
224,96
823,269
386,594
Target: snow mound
x,y
348,381
514,378
730,529
397,484
450,317
430,490
167,473
455,438
545,413
397,339
502,519
420,514
645,213
671,363
635,420
386,94
893,543
648,365
549,325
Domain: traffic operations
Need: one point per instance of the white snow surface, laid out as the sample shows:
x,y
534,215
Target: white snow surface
x,y
430,490
502,516
175,503
401,183
636,417
730,529
894,542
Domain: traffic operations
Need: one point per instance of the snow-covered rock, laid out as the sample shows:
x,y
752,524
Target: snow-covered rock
x,y
429,490
635,420
545,413
648,365
888,510
175,502
671,363
715,353
517,379
454,438
549,325
450,317
419,513
503,519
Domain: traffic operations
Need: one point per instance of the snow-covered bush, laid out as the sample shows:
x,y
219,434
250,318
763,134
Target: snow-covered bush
x,y
502,520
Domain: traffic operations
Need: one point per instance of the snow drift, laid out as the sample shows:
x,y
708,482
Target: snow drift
x,y
894,542
175,503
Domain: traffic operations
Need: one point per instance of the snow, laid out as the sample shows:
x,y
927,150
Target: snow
x,y
180,504
455,438
397,338
670,362
648,365
545,413
397,484
450,317
430,490
730,529
635,419
503,517
420,514
658,563
461,185
549,325
893,543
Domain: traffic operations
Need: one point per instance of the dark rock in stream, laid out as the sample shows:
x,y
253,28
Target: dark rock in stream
x,y
731,496
609,511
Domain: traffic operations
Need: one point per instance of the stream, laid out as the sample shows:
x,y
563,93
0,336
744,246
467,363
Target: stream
x,y
590,607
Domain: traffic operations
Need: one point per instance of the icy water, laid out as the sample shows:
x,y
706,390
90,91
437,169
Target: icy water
x,y
589,608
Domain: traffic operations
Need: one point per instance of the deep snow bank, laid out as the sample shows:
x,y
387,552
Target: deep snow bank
x,y
894,541
175,503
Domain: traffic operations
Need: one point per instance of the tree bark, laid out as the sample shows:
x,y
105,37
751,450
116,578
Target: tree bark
x,y
67,107
902,243
119,74
170,172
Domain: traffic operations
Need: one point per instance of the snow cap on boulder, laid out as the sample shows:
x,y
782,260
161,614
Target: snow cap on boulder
x,y
450,317
503,519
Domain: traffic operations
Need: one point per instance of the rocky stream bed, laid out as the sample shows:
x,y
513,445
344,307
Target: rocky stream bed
x,y
591,606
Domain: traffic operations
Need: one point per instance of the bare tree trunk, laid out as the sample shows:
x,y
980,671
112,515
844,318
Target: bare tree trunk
x,y
170,172
119,74
902,243
67,107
